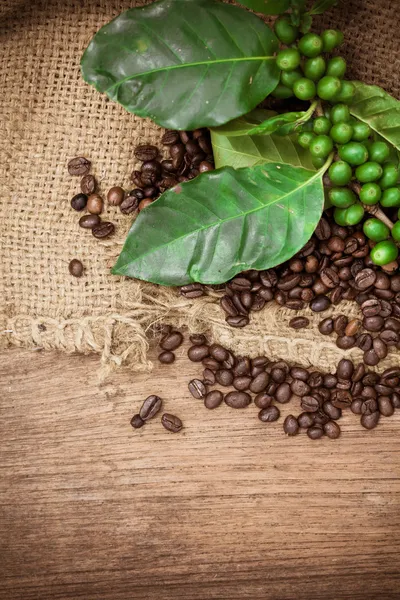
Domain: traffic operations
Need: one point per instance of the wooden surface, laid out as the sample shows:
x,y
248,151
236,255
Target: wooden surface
x,y
228,509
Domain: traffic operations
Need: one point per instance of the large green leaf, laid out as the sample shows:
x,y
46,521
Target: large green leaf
x,y
236,148
268,7
184,63
381,111
222,223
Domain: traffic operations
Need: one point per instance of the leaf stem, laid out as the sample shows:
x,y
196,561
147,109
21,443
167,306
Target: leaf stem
x,y
374,209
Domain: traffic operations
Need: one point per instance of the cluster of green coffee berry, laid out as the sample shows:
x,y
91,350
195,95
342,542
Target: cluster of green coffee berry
x,y
361,162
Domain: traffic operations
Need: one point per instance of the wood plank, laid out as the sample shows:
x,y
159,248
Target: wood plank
x,y
227,509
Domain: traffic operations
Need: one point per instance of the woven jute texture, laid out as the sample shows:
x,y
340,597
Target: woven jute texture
x,y
49,115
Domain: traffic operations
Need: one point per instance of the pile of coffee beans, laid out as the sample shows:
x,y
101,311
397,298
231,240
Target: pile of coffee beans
x,y
322,397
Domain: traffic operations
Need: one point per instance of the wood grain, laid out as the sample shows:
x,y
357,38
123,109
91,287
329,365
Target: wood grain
x,y
228,509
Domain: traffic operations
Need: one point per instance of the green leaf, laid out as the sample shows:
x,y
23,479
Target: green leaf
x,y
184,63
238,149
224,222
379,109
321,6
298,8
306,23
267,7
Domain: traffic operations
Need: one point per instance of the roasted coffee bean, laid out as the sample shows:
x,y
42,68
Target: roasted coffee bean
x,y
263,400
246,299
391,372
240,284
299,387
290,425
89,221
283,393
345,342
210,363
336,244
269,278
323,230
228,307
192,290
75,267
208,377
296,265
305,420
166,357
136,178
259,383
358,373
320,303
171,423
326,326
329,277
137,422
340,324
371,307
369,421
365,279
294,304
129,205
224,377
238,321
299,322
373,323
146,152
345,369
387,309
315,432
150,407
341,398
320,289
385,406
288,282
198,353
171,341
356,405
383,390
392,324
242,367
371,358
384,295
278,375
258,303
395,398
380,348
343,384
369,406
95,204
79,202
213,399
370,379
269,414
79,166
144,204
330,381
315,379
237,399
115,196
170,137
353,327
218,352
198,339
229,362
364,342
242,383
197,389
150,191
332,430
332,411
309,403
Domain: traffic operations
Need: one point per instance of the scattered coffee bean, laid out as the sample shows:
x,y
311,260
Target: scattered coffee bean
x,y
224,377
259,383
290,425
79,202
208,377
171,423
115,196
198,353
150,407
198,339
315,432
79,166
269,414
75,267
283,393
238,399
193,290
242,383
197,389
88,185
299,322
263,400
95,204
385,406
89,221
146,152
103,229
320,303
326,326
129,205
171,341
213,399
137,422
166,357
370,420
305,420
332,430
218,352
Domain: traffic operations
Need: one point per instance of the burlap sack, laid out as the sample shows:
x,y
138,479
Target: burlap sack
x,y
49,115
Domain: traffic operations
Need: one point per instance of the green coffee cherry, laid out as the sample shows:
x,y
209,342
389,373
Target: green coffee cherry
x,y
342,197
288,59
340,173
305,139
391,197
369,171
322,126
375,230
282,92
304,89
339,214
354,214
331,38
384,253
321,146
285,31
370,193
396,231
288,78
328,87
336,67
379,152
340,114
390,176
362,131
310,45
318,162
314,68
346,93
354,153
341,133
